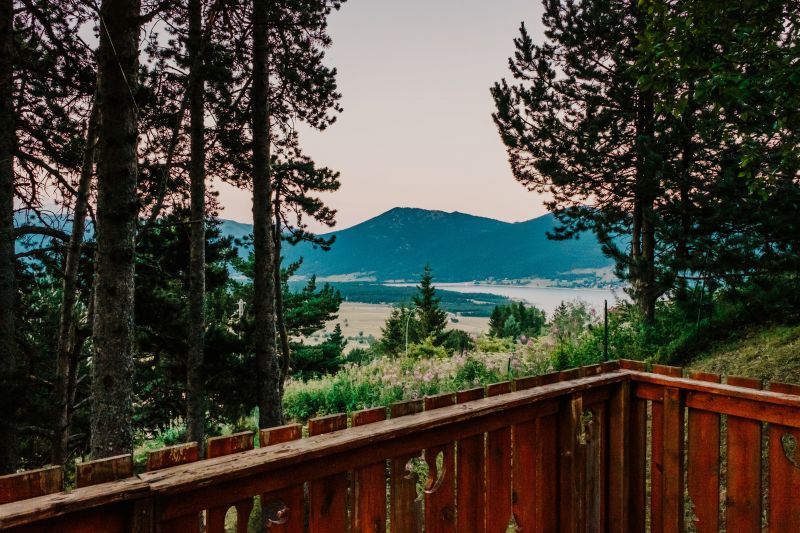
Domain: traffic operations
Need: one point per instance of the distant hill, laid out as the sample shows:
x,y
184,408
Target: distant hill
x,y
395,245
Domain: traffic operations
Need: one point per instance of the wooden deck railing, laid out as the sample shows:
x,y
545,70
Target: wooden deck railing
x,y
604,448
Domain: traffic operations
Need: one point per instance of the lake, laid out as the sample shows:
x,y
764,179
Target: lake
x,y
545,298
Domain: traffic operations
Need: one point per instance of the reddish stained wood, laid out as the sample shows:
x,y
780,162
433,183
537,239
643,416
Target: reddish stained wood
x,y
656,467
595,465
103,470
440,400
498,471
629,364
637,443
648,391
568,375
765,399
619,465
283,508
593,370
598,395
784,471
369,484
279,435
440,500
609,366
405,511
470,463
218,447
528,382
571,466
172,456
327,497
550,378
672,371
672,507
744,469
703,463
230,444
535,475
30,484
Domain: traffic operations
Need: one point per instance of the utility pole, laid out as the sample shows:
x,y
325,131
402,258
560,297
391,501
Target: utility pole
x,y
605,331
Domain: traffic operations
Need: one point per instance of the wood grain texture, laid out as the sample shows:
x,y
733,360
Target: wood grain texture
x,y
327,497
703,457
471,464
743,513
172,456
406,512
440,497
637,479
369,484
283,510
30,484
672,506
103,470
572,474
784,471
619,463
498,471
219,447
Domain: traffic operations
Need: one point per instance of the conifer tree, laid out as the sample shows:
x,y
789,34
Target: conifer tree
x,y
431,318
117,212
580,128
8,439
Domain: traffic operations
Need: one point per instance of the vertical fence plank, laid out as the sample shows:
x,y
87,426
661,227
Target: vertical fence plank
x,y
103,470
571,466
596,447
218,447
175,456
524,466
498,471
784,471
657,517
327,497
172,456
672,507
618,458
637,479
470,463
405,510
440,497
30,484
744,468
703,463
369,484
282,510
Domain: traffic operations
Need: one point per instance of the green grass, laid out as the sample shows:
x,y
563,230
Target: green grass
x,y
769,353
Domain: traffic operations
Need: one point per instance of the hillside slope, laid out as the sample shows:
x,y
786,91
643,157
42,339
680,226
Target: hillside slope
x,y
770,353
459,247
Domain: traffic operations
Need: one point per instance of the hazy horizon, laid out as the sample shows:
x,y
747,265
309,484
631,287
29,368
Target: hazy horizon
x,y
416,128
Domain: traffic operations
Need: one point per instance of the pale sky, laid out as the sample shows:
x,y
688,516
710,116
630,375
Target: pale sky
x,y
416,130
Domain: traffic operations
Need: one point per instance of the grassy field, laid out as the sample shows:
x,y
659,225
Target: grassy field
x,y
771,353
359,321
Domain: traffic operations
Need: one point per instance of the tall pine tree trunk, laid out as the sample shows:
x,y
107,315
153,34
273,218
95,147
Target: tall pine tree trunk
x,y
117,211
268,367
197,251
68,348
8,437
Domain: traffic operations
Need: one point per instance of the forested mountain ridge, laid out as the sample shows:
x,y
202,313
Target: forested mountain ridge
x,y
396,245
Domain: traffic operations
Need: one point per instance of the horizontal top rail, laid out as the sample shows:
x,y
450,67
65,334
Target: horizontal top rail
x,y
175,492
315,456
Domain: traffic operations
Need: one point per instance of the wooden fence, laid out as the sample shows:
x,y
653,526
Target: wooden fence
x,y
604,448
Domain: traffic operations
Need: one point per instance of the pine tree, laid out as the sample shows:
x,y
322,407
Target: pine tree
x,y
431,317
117,212
8,440
580,128
401,329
